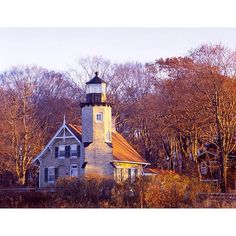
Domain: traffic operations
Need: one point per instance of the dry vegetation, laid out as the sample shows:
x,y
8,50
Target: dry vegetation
x,y
168,190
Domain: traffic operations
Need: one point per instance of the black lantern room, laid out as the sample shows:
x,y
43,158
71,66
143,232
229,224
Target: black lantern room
x,y
96,90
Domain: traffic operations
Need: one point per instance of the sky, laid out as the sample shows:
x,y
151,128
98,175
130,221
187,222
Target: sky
x,y
59,48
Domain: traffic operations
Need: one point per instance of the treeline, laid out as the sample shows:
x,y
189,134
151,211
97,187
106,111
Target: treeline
x,y
167,109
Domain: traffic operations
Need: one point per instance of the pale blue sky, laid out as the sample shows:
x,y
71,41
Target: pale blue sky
x,y
58,48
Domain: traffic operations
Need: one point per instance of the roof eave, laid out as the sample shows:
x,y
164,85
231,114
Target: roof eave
x,y
133,162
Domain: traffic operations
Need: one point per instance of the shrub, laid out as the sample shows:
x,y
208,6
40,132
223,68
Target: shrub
x,y
92,191
171,190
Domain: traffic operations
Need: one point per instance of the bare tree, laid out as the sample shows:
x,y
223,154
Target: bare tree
x,y
24,136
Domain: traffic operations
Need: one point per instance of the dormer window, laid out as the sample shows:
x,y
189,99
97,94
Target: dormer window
x,y
99,117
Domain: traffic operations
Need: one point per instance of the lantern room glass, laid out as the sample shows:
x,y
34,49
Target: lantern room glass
x,y
96,88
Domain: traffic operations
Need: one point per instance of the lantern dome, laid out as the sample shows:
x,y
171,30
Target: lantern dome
x,y
96,80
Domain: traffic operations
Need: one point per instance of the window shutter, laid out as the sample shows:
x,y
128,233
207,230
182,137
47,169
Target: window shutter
x,y
78,150
46,175
67,151
56,152
56,172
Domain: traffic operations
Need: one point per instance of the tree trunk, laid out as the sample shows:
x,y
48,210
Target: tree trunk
x,y
22,179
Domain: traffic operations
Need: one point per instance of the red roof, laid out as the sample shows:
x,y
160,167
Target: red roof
x,y
122,150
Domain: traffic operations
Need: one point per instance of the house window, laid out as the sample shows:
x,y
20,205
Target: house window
x,y
74,170
61,151
129,173
73,151
51,174
132,174
99,117
203,168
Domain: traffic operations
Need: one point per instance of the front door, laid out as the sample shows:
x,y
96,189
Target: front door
x,y
74,170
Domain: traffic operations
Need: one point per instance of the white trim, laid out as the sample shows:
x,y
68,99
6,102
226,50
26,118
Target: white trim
x,y
40,170
73,134
54,137
64,132
133,162
64,137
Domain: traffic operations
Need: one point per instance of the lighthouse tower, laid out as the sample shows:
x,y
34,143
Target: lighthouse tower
x,y
97,129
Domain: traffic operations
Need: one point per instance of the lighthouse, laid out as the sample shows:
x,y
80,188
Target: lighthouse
x,y
97,129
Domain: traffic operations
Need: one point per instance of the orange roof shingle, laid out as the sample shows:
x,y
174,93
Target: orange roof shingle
x,y
122,150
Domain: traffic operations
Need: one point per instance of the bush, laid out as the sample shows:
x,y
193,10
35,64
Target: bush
x,y
93,191
171,190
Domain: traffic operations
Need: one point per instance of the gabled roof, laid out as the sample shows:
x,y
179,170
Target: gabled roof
x,y
64,126
122,150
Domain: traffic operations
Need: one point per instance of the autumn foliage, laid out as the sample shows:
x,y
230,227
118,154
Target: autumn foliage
x,y
166,109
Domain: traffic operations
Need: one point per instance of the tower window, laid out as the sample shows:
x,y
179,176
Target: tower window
x,y
99,117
